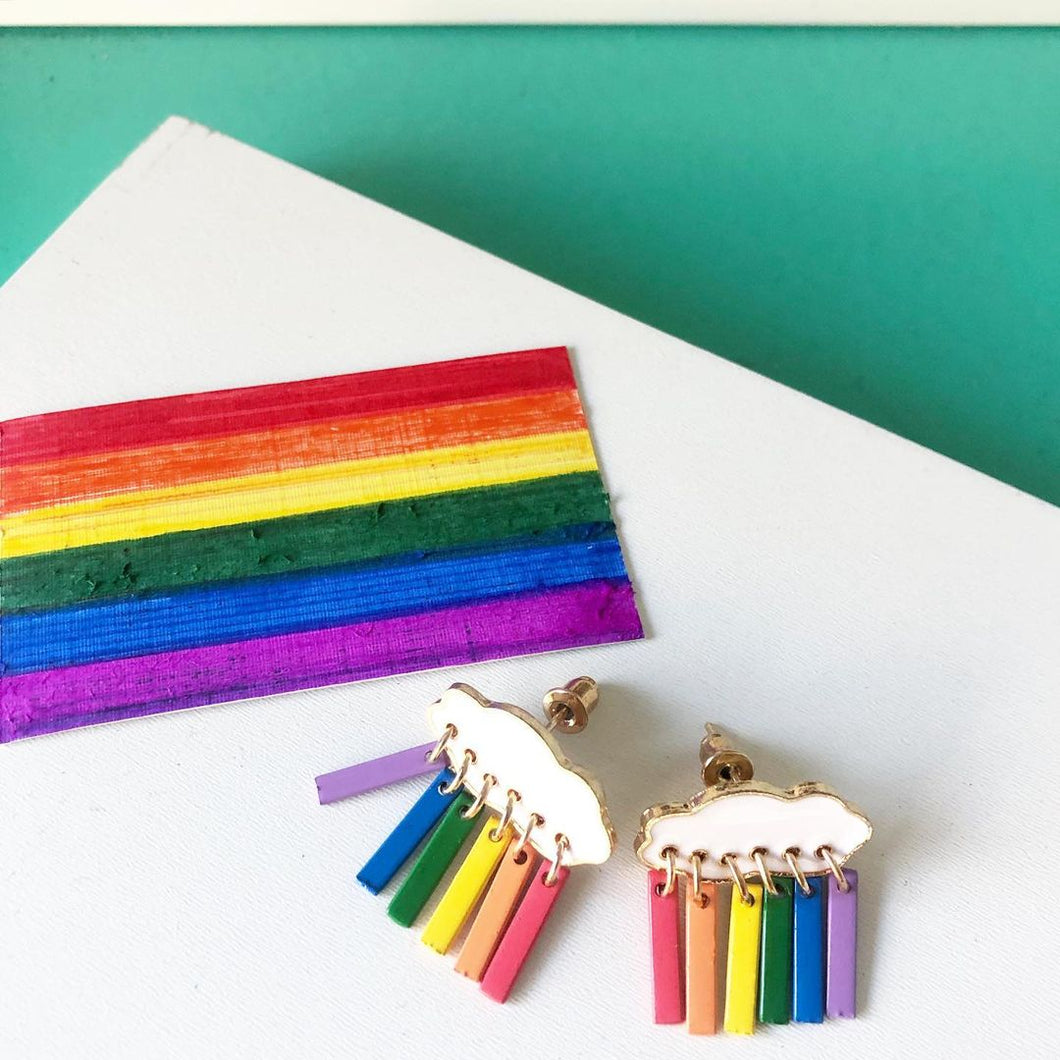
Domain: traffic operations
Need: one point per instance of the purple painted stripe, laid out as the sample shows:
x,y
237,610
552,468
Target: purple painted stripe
x,y
66,698
376,773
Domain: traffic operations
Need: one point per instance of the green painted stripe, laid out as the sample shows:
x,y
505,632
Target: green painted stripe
x,y
438,854
300,542
774,981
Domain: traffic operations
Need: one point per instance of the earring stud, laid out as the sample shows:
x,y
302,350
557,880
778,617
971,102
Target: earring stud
x,y
544,817
790,954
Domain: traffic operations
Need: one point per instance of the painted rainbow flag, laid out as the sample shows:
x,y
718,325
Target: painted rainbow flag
x,y
186,550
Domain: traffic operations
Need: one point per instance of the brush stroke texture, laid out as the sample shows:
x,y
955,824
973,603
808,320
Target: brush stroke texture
x,y
28,486
185,550
52,700
286,603
238,500
156,421
301,542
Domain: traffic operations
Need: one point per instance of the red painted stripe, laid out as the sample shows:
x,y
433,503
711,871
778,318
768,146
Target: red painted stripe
x,y
158,421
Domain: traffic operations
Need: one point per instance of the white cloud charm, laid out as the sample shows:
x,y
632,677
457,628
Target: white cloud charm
x,y
517,749
738,820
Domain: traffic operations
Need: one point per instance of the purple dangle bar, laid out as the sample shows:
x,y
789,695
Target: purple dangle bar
x,y
842,945
377,773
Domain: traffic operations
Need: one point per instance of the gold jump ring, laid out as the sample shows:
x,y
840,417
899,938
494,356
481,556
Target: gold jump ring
x,y
535,821
834,868
791,856
730,862
506,817
562,844
488,780
698,857
670,853
461,773
759,854
447,734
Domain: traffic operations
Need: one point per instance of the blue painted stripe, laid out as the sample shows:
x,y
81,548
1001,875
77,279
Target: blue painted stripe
x,y
808,985
288,603
410,831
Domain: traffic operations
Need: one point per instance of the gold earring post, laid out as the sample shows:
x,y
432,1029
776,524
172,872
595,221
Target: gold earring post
x,y
568,708
721,765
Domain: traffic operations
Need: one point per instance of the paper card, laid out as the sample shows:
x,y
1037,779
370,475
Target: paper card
x,y
186,550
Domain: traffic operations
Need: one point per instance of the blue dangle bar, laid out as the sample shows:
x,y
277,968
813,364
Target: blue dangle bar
x,y
402,842
808,980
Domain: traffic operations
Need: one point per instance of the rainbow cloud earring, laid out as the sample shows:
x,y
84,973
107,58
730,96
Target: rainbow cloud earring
x,y
544,816
792,919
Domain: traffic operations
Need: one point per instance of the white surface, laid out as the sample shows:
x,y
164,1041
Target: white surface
x,y
517,755
738,822
846,605
397,12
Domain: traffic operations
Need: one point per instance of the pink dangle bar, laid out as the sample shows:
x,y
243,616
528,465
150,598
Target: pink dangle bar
x,y
665,913
522,933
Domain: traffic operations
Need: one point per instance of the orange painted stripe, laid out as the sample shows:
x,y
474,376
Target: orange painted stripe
x,y
194,417
29,486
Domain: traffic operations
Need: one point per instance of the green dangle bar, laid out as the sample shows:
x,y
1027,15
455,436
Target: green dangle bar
x,y
439,852
774,982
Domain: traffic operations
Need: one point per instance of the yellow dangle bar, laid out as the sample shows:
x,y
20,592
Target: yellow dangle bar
x,y
467,887
741,981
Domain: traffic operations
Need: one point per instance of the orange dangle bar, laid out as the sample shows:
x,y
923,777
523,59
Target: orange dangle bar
x,y
701,958
496,912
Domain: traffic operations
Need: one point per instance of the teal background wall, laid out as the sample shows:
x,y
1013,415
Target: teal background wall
x,y
871,216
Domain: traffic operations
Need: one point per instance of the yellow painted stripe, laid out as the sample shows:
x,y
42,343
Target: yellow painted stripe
x,y
468,886
222,502
741,979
